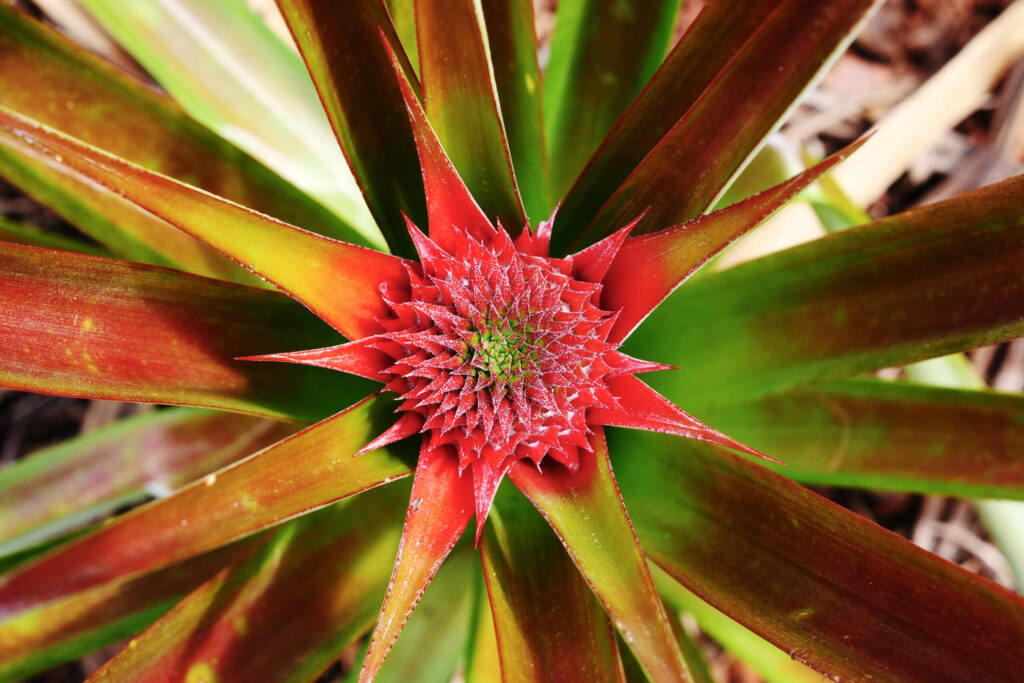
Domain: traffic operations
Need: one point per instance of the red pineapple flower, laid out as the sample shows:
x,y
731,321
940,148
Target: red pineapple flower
x,y
501,353
496,354
498,351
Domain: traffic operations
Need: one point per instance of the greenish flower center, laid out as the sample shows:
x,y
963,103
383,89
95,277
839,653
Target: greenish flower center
x,y
501,352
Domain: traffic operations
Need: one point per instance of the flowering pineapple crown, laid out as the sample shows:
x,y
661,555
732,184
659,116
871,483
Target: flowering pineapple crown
x,y
499,352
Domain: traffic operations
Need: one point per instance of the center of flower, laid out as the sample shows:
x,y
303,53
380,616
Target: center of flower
x,y
500,350
502,353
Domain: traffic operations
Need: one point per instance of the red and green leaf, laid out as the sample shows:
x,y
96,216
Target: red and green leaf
x,y
513,46
773,664
889,435
449,203
347,59
935,280
833,590
549,625
33,236
648,268
76,625
614,567
743,68
433,642
440,507
68,485
305,472
403,18
67,319
122,229
602,53
223,64
339,282
461,101
46,77
286,612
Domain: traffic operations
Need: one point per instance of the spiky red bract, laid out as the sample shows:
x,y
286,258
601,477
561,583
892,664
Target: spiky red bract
x,y
500,353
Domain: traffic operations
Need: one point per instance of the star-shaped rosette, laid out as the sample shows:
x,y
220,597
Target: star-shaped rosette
x,y
502,357
484,355
498,353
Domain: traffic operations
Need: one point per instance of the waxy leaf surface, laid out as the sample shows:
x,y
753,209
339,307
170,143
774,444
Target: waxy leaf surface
x,y
342,46
433,642
74,626
549,625
602,53
513,47
722,116
585,510
460,98
648,268
122,229
935,280
68,485
774,665
46,77
66,321
222,63
307,471
285,613
338,281
34,236
440,507
889,435
830,588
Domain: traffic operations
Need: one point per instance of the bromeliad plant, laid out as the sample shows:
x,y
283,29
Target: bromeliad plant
x,y
496,344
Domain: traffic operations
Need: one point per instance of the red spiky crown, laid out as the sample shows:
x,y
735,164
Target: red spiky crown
x,y
500,352
497,351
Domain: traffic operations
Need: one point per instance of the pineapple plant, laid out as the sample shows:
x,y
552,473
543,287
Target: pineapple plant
x,y
405,326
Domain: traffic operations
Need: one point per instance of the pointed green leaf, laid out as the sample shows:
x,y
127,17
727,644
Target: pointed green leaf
x,y
305,472
63,487
774,665
716,36
938,279
339,282
828,587
30,235
513,46
889,435
80,623
403,17
440,507
434,640
585,510
48,78
121,228
602,53
344,52
87,326
483,662
667,257
549,626
768,52
223,65
285,613
460,98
